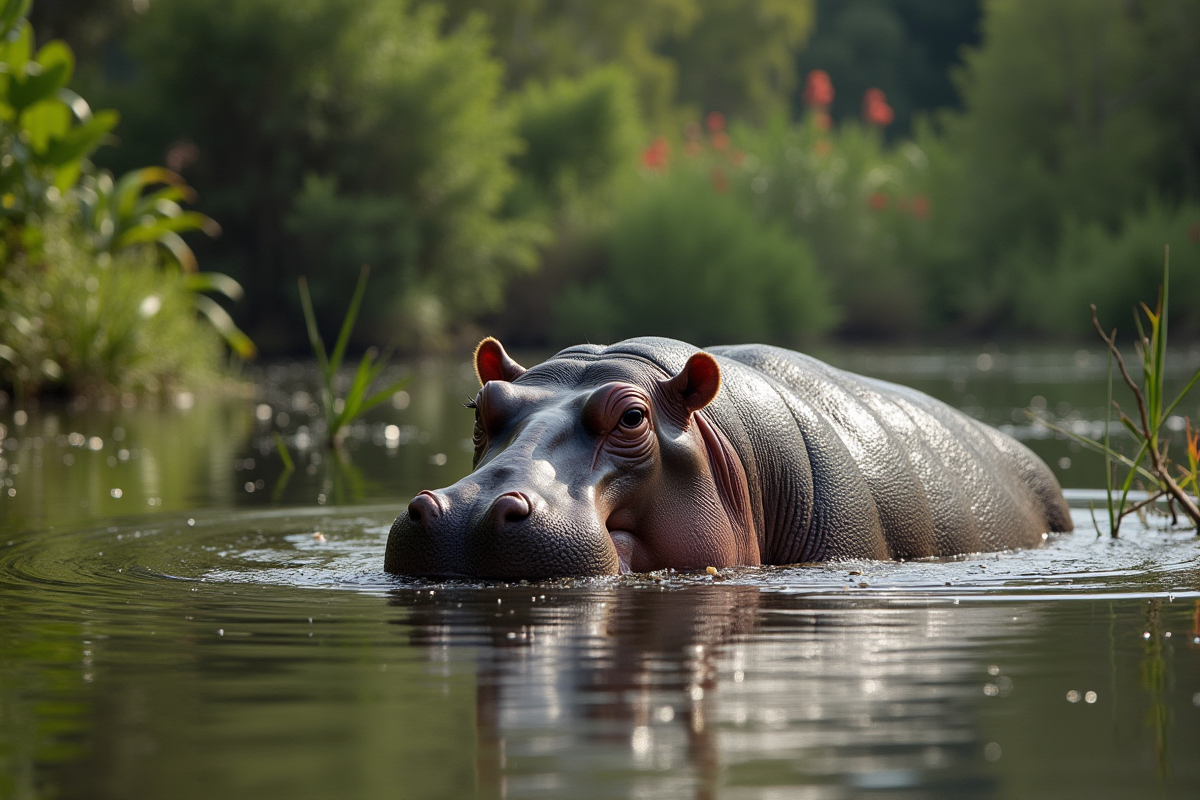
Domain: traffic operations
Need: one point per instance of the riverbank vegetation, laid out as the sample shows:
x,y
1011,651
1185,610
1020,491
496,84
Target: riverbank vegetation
x,y
698,168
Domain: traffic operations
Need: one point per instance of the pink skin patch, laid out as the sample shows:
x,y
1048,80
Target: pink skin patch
x,y
623,542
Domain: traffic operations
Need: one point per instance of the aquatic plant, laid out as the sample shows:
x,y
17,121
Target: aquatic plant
x,y
1163,478
341,411
87,302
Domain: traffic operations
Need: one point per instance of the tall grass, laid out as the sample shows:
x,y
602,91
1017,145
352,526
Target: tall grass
x,y
339,410
1162,477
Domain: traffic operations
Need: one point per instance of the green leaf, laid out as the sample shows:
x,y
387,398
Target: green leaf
x,y
43,77
238,341
339,349
382,395
79,141
214,282
180,250
13,13
314,336
79,107
281,448
129,188
154,230
45,121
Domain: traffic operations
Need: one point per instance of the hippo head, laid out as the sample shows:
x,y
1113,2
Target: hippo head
x,y
591,463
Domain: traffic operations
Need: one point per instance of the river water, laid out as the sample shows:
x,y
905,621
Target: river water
x,y
180,616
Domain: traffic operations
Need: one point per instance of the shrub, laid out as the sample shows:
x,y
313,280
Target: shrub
x,y
1115,269
689,262
580,137
863,207
93,322
329,133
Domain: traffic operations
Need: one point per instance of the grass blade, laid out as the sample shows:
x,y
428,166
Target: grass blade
x,y
339,348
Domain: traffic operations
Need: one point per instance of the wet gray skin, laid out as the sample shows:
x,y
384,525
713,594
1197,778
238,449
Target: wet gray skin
x,y
650,454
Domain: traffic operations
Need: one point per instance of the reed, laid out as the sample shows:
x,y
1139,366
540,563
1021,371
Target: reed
x,y
341,411
1162,477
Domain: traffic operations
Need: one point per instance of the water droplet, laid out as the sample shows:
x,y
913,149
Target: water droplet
x,y
1072,696
991,689
116,494
993,670
1089,698
220,631
1146,635
991,751
191,522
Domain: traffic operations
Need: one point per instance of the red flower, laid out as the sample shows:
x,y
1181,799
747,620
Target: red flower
x,y
720,140
921,207
715,121
875,110
822,147
878,201
818,89
720,180
657,155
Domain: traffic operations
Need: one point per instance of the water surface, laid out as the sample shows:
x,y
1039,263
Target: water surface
x,y
220,628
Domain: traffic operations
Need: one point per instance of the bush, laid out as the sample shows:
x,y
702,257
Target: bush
x,y
691,263
329,133
1117,269
581,136
83,301
92,322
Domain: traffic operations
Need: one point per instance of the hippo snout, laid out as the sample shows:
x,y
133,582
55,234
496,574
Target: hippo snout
x,y
462,531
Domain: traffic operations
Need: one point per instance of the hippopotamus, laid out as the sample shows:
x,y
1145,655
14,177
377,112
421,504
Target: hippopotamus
x,y
651,454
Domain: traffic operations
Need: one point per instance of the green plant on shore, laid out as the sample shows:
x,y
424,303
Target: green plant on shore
x,y
121,213
98,291
341,411
1150,462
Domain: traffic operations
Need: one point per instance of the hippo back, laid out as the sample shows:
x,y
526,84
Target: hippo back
x,y
926,479
843,466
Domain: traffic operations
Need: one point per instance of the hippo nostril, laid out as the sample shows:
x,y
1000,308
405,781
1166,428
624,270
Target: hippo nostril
x,y
512,507
424,507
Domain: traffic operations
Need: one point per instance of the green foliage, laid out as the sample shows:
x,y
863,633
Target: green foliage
x,y
740,56
904,47
89,321
336,132
1115,268
723,54
690,262
341,411
581,137
863,207
1164,478
1074,111
79,308
46,130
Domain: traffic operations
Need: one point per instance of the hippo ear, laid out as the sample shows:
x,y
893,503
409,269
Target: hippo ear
x,y
697,383
493,364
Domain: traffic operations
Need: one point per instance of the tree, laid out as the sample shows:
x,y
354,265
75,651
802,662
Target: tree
x,y
324,134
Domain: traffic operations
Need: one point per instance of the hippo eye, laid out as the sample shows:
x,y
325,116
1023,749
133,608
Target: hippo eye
x,y
632,418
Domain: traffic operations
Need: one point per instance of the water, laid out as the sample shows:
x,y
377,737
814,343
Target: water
x,y
222,628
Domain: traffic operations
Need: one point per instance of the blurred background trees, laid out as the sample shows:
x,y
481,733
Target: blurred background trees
x,y
718,170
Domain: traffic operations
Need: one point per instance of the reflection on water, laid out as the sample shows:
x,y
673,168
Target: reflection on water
x,y
220,644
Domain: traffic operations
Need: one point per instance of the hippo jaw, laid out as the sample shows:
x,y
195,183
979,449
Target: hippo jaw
x,y
580,480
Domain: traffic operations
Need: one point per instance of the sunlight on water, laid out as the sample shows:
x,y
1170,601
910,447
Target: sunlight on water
x,y
219,628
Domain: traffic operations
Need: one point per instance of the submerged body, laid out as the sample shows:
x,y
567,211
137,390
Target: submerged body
x,y
650,454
